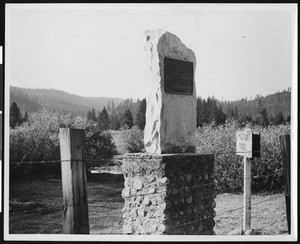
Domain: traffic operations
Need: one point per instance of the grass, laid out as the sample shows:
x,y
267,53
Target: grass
x,y
105,209
268,214
104,201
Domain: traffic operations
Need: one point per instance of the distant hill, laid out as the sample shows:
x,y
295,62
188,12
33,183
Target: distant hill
x,y
31,100
274,104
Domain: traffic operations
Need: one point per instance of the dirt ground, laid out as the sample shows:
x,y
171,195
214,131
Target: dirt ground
x,y
36,207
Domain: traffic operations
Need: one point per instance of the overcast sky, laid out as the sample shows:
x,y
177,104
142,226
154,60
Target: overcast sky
x,y
98,50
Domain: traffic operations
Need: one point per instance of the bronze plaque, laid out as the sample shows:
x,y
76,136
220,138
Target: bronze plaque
x,y
179,76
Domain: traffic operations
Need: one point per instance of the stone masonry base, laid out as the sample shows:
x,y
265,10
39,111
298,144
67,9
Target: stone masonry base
x,y
168,194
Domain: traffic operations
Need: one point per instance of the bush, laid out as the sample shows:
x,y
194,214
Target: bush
x,y
99,146
38,140
134,140
267,171
221,141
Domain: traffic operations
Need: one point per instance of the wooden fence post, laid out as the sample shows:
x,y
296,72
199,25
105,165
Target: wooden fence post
x,y
286,157
76,220
247,194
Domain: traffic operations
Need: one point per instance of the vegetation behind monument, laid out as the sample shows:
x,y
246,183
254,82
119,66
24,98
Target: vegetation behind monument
x,y
38,140
35,136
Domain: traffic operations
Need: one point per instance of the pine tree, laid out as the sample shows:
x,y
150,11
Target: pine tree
x,y
113,118
215,113
229,112
279,119
243,119
236,112
103,119
264,117
127,119
202,112
114,122
220,116
140,119
272,120
15,115
199,109
91,115
25,117
88,116
109,107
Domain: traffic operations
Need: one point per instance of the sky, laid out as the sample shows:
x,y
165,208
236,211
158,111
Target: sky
x,y
98,50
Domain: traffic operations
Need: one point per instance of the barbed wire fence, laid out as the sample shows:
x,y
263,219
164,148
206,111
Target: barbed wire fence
x,y
45,209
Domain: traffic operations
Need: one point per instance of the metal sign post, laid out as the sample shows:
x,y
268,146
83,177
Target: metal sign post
x,y
248,146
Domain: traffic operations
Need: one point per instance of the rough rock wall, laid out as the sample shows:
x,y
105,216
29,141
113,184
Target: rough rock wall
x,y
168,194
170,118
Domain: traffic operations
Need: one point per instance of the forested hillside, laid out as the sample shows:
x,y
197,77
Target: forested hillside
x,y
116,113
31,100
274,104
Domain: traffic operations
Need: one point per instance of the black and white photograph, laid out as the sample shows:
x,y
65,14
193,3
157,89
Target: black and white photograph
x,y
150,122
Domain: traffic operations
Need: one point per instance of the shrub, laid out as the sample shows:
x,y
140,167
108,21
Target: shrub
x,y
266,172
134,140
38,140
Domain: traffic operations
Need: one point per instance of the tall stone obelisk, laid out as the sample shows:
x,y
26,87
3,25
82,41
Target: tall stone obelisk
x,y
171,103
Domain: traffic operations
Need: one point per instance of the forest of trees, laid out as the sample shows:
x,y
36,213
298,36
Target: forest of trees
x,y
276,106
261,111
270,110
126,115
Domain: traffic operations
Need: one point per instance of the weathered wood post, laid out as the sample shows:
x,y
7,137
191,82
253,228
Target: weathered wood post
x,y
247,145
247,194
74,185
286,159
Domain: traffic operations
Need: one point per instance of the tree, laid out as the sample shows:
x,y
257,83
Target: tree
x,y
229,112
199,109
91,115
127,119
114,122
215,113
220,116
208,111
113,118
15,115
103,119
279,119
25,117
140,119
263,118
236,112
202,111
272,120
243,120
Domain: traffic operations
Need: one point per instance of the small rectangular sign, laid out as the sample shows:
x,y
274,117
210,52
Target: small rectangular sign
x,y
179,76
244,143
248,144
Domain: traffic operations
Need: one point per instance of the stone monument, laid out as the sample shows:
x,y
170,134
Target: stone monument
x,y
170,189
171,104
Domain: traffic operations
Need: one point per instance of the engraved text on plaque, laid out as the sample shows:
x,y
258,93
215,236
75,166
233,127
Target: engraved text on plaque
x,y
178,76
